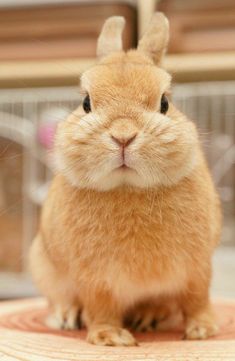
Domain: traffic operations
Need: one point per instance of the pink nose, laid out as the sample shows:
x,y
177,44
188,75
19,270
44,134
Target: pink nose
x,y
124,141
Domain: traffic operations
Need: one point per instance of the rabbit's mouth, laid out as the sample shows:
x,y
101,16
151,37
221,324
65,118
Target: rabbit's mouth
x,y
124,166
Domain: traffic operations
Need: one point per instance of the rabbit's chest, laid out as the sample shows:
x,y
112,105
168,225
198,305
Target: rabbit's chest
x,y
135,250
134,263
144,275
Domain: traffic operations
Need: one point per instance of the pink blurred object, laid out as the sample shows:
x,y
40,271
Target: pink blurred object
x,y
46,133
48,124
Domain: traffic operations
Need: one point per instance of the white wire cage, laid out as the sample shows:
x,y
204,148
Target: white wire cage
x,y
22,113
211,105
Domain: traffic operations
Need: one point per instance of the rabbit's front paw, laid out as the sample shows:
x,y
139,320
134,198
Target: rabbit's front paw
x,y
105,335
199,330
65,320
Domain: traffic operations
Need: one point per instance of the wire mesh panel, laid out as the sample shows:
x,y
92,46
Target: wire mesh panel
x,y
28,118
212,107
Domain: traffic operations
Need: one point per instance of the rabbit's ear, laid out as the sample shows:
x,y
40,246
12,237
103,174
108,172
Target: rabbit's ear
x,y
110,38
155,40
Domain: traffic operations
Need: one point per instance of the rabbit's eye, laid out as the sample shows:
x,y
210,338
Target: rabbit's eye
x,y
86,104
164,104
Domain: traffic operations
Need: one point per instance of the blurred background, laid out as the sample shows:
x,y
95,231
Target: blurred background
x,y
44,47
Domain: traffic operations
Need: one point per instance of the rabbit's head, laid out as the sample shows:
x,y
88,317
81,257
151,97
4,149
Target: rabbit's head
x,y
127,133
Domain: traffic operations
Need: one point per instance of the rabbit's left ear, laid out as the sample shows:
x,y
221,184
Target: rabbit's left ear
x,y
155,40
110,38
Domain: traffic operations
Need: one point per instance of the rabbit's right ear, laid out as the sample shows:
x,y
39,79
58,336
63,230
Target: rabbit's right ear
x,y
110,38
155,40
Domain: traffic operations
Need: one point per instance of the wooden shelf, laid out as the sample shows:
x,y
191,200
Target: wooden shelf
x,y
201,66
183,67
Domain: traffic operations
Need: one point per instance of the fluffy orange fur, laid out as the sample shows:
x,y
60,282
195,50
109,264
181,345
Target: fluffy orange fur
x,y
114,243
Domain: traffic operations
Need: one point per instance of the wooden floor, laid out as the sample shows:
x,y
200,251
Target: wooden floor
x,y
24,337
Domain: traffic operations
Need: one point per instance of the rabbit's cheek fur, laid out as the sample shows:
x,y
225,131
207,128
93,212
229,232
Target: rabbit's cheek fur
x,y
162,153
169,151
90,159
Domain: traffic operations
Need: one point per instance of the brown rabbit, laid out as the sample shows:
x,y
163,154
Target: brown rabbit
x,y
132,216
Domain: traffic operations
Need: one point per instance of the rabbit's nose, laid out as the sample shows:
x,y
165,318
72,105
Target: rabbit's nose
x,y
124,141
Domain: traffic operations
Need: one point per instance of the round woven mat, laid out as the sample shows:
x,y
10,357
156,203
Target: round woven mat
x,y
24,337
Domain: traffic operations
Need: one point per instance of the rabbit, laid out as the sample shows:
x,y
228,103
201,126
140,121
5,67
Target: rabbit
x,y
132,216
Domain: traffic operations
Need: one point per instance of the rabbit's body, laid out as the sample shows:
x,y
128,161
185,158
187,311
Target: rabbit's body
x,y
159,241
111,238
